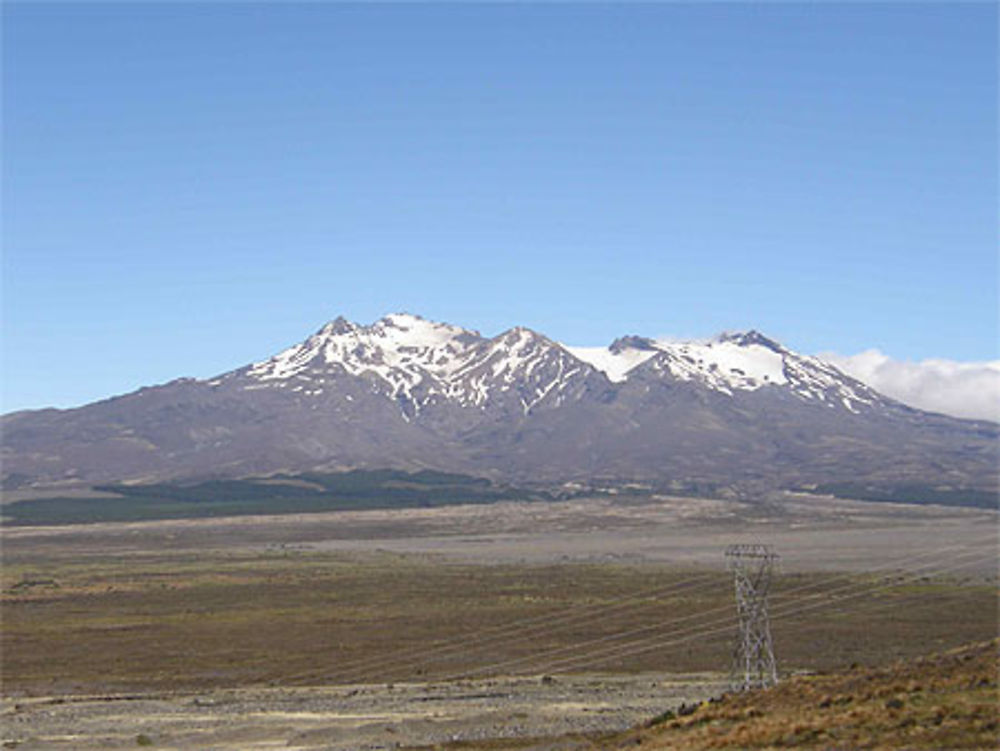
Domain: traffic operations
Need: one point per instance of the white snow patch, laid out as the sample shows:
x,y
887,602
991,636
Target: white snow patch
x,y
418,362
401,350
615,365
726,363
723,365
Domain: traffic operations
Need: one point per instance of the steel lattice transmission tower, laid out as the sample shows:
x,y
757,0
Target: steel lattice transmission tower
x,y
753,656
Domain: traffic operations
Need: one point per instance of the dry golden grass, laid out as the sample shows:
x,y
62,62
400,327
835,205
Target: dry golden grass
x,y
947,701
86,624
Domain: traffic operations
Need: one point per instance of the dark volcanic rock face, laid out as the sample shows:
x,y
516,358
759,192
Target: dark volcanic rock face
x,y
740,412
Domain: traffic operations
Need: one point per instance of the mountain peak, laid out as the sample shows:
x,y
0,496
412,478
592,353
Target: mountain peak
x,y
404,320
407,391
522,334
404,329
417,360
748,339
631,341
338,326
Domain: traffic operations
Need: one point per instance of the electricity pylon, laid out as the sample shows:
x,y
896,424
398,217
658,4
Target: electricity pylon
x,y
753,656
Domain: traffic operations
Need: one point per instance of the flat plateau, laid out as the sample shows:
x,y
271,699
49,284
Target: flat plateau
x,y
387,629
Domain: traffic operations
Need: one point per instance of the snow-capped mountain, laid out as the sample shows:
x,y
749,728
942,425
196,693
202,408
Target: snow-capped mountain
x,y
418,362
736,410
732,362
402,351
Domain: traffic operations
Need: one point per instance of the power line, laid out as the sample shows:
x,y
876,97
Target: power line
x,y
517,628
695,616
525,627
641,646
776,612
727,621
522,628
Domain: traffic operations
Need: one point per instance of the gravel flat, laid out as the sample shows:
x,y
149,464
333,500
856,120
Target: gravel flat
x,y
351,718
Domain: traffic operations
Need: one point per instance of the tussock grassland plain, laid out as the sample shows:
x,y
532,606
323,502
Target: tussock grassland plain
x,y
376,602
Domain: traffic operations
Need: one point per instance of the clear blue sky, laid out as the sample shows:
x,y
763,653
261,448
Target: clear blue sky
x,y
190,187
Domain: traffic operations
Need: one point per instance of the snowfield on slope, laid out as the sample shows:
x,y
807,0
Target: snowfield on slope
x,y
420,361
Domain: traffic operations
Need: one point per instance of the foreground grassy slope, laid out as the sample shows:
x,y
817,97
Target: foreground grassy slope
x,y
945,701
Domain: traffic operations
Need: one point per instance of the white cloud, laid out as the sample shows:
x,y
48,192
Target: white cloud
x,y
962,389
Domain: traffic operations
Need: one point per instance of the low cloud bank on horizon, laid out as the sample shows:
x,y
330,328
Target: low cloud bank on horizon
x,y
961,389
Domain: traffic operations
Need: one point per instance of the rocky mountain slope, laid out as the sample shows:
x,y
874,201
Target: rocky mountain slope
x,y
738,413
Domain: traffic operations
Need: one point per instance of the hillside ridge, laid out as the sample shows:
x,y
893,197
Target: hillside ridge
x,y
944,701
738,414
